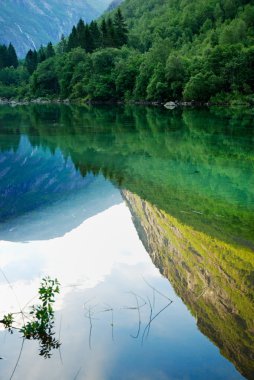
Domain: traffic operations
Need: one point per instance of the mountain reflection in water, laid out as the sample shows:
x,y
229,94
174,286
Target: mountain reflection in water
x,y
213,278
188,181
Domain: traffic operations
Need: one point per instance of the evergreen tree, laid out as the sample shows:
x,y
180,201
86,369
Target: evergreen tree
x,y
121,30
12,57
81,34
3,56
96,35
73,41
104,33
108,33
41,55
111,35
62,46
49,51
31,61
88,40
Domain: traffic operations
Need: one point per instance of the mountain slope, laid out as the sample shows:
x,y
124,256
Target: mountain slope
x,y
30,23
191,21
114,4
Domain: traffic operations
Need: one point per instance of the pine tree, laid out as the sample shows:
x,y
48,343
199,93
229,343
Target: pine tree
x,y
111,36
73,39
12,57
108,33
31,61
88,40
121,30
49,51
41,54
96,35
62,46
3,56
81,34
104,33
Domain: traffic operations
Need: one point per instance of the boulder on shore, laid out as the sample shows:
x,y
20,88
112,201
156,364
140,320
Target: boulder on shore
x,y
170,105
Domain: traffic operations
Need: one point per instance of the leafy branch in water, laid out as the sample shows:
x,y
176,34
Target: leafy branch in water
x,y
41,318
8,321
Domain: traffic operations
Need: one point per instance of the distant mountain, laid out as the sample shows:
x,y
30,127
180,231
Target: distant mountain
x,y
30,23
114,4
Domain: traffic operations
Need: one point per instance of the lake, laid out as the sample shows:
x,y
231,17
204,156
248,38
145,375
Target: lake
x,y
146,218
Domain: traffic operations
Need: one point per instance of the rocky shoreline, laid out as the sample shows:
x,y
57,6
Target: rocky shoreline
x,y
15,102
168,105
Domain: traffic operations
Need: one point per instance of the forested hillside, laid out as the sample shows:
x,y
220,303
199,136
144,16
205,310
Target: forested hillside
x,y
200,50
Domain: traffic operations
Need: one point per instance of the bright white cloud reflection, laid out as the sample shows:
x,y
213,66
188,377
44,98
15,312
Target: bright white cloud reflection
x,y
81,258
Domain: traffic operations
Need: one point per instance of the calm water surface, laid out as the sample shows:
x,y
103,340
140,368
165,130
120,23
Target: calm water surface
x,y
145,216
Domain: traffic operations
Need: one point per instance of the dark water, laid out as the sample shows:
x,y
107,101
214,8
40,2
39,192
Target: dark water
x,y
146,218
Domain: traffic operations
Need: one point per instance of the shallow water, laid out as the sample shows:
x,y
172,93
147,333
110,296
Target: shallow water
x,y
145,216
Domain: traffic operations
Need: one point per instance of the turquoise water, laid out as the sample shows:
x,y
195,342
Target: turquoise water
x,y
65,176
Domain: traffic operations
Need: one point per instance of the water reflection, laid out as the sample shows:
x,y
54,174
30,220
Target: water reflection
x,y
195,165
34,186
100,264
193,210
214,279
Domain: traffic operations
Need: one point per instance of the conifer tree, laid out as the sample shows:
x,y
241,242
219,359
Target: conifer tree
x,y
73,39
81,34
62,46
88,40
41,56
95,35
111,36
31,61
12,59
121,30
104,33
3,56
49,51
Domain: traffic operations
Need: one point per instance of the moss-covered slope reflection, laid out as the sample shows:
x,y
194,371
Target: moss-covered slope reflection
x,y
196,165
214,279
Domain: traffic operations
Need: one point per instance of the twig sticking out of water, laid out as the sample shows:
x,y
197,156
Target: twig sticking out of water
x,y
151,314
22,314
18,360
28,303
138,307
157,291
77,374
90,332
110,309
59,339
89,315
139,318
15,295
152,318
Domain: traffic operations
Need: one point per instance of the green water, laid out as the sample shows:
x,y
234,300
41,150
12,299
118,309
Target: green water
x,y
188,179
195,164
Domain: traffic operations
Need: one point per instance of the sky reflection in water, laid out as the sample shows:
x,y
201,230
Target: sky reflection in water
x,y
99,264
84,235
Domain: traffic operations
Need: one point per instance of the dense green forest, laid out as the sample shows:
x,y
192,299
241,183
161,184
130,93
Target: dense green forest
x,y
149,50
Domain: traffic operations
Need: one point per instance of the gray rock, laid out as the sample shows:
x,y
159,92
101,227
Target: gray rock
x,y
170,105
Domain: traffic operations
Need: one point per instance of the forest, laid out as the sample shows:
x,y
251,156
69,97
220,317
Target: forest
x,y
144,51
